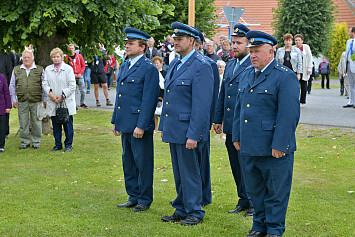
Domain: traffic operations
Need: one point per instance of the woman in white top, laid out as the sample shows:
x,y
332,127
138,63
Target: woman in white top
x,y
306,66
59,84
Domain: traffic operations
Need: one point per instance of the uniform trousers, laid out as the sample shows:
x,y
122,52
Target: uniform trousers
x,y
68,130
188,180
205,170
238,171
269,181
27,115
138,167
351,81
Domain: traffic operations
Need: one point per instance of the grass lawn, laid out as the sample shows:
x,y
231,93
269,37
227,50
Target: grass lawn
x,y
47,193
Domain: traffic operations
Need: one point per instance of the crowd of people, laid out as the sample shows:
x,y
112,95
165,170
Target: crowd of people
x,y
250,95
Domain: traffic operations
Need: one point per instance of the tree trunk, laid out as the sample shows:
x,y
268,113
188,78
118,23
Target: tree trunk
x,y
57,39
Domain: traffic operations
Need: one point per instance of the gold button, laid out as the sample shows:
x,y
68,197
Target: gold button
x,y
228,109
230,84
248,105
138,110
166,102
265,90
229,97
118,107
132,80
166,115
245,121
251,90
168,90
239,89
287,148
122,83
182,83
119,95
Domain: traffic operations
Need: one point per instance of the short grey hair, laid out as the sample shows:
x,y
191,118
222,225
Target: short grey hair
x,y
29,51
221,63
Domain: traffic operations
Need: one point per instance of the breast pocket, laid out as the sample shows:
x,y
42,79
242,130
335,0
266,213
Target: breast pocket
x,y
265,91
183,82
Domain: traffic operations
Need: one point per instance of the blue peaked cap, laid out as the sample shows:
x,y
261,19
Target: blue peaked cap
x,y
199,34
257,38
134,34
181,29
240,30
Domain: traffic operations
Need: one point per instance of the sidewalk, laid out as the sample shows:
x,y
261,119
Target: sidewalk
x,y
324,106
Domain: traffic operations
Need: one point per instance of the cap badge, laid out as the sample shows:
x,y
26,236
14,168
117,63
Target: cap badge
x,y
176,30
252,40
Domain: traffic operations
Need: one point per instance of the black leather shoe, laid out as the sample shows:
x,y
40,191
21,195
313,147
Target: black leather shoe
x,y
270,235
347,106
56,149
254,233
238,209
250,212
173,218
191,220
127,204
22,147
140,207
35,147
67,149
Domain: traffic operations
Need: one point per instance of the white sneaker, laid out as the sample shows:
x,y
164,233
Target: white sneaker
x,y
2,150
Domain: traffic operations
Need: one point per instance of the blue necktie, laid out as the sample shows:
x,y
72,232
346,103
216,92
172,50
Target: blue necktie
x,y
175,68
351,48
257,73
236,66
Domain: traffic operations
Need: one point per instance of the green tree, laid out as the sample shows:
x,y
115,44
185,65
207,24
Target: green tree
x,y
338,45
50,24
312,19
204,17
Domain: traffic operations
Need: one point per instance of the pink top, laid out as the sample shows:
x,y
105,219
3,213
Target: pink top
x,y
57,66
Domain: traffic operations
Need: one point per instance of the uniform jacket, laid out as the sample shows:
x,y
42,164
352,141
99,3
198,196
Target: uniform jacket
x,y
267,111
215,86
227,96
61,82
5,99
187,101
348,56
296,58
137,93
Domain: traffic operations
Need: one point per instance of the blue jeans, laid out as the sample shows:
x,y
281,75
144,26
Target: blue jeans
x,y
109,81
68,130
87,79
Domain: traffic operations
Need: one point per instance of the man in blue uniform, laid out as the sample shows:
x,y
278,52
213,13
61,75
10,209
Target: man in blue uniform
x,y
266,116
225,111
185,123
205,165
133,118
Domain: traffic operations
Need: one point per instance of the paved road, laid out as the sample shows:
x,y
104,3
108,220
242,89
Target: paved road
x,y
324,107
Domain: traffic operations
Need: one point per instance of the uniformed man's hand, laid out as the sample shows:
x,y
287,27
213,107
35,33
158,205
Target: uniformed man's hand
x,y
138,133
190,144
218,128
15,105
277,153
236,145
116,133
